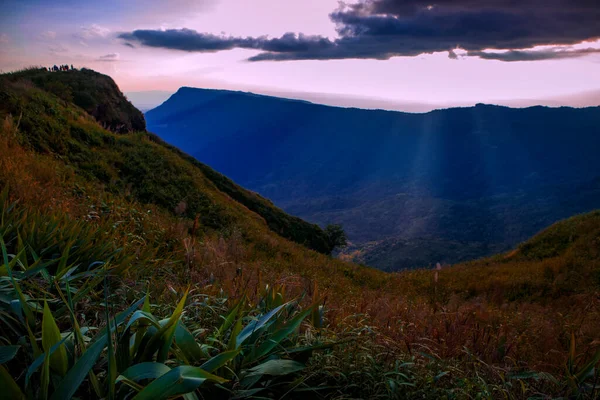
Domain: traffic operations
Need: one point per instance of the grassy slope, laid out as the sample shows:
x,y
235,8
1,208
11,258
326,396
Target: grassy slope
x,y
118,163
515,312
139,168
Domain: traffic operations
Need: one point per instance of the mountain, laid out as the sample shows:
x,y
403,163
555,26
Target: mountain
x,y
410,190
203,294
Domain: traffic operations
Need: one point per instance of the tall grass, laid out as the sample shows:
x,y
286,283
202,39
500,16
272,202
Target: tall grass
x,y
65,333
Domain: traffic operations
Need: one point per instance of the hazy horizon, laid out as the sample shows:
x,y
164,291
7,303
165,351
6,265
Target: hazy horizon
x,y
147,100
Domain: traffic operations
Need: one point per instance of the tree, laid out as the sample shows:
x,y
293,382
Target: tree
x,y
335,236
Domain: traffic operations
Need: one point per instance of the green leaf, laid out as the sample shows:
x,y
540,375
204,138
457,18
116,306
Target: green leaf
x,y
186,342
118,319
45,378
219,360
59,361
145,370
231,317
10,389
178,381
272,341
68,386
40,360
163,338
7,353
237,328
256,325
144,318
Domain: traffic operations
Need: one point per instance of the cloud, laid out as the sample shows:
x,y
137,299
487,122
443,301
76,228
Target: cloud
x,y
109,57
190,40
533,55
4,38
381,29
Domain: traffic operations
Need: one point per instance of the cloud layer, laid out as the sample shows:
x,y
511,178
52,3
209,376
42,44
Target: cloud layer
x,y
380,29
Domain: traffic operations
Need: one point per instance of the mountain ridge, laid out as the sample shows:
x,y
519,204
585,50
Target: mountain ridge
x,y
441,108
342,165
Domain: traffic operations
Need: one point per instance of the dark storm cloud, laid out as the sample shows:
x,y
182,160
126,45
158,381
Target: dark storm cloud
x,y
380,29
190,40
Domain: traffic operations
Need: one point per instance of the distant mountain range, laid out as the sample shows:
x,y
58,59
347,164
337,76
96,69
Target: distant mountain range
x,y
147,100
410,189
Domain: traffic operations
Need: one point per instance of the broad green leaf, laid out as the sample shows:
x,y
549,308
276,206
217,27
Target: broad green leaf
x,y
7,353
68,386
256,325
186,342
40,360
10,389
145,370
219,360
50,336
178,381
143,318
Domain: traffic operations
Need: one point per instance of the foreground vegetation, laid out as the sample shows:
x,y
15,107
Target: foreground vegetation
x,y
127,272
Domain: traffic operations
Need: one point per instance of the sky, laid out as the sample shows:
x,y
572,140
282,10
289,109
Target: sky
x,y
411,55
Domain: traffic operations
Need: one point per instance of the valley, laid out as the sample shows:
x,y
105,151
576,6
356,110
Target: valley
x,y
410,190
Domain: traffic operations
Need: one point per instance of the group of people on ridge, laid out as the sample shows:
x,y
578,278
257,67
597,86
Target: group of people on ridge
x,y
59,68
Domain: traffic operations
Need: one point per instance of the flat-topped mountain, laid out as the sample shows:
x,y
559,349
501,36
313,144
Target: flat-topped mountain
x,y
409,189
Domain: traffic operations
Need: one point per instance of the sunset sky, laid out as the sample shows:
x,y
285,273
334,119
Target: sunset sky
x,y
407,52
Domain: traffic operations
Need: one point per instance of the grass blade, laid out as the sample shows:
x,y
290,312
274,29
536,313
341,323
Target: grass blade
x,y
50,336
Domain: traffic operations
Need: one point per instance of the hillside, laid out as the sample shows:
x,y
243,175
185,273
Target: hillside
x,y
409,189
142,168
119,232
